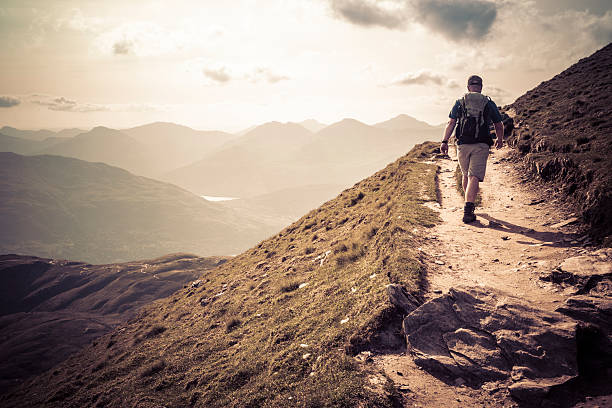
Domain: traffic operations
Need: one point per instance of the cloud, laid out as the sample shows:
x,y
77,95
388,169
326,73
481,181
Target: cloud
x,y
218,74
75,20
265,74
370,13
122,47
526,38
601,28
424,77
221,74
142,39
8,101
499,95
63,104
67,105
457,20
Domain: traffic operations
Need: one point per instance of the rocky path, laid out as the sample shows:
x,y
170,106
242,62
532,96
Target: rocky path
x,y
511,243
519,237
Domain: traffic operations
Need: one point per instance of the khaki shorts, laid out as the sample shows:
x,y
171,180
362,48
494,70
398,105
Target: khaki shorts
x,y
473,159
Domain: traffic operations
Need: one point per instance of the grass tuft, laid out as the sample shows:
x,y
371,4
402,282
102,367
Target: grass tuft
x,y
153,368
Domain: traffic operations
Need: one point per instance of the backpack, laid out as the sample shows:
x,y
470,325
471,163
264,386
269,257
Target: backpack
x,y
472,124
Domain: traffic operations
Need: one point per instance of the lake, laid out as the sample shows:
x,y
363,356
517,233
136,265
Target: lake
x,y
217,198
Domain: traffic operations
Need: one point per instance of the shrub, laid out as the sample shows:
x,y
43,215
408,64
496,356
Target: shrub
x,y
289,286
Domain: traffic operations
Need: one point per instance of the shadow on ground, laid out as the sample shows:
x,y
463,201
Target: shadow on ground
x,y
547,238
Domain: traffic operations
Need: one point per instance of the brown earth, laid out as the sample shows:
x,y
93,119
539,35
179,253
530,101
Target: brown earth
x,y
512,245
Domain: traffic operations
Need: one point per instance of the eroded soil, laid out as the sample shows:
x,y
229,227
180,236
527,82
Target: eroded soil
x,y
516,239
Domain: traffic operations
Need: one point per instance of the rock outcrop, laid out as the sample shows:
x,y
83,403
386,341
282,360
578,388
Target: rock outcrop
x,y
590,278
584,273
480,335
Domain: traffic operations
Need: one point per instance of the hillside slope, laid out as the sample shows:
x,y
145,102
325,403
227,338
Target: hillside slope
x,y
253,164
563,132
67,208
274,325
51,308
174,146
108,146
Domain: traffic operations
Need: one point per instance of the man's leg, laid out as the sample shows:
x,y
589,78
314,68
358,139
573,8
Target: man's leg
x,y
472,189
477,168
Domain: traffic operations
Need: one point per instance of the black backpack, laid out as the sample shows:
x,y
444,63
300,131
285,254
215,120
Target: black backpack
x,y
472,125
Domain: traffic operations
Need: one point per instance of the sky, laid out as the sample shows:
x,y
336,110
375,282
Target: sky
x,y
216,65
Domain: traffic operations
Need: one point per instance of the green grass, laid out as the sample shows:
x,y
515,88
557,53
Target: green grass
x,y
281,322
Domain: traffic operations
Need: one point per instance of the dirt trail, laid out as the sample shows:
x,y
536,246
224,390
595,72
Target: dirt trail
x,y
510,244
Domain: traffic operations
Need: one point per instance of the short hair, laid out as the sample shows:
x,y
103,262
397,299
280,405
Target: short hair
x,y
474,80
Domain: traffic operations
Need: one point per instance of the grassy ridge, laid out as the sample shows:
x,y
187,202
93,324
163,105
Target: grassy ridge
x,y
275,326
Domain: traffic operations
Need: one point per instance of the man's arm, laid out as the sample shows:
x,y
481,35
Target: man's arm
x,y
448,132
499,132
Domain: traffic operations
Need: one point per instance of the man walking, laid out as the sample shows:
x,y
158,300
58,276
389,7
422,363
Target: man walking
x,y
472,114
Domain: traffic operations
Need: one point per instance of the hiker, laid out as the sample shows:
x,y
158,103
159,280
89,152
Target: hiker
x,y
473,113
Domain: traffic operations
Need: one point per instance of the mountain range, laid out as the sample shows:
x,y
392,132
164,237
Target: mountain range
x,y
278,170
277,156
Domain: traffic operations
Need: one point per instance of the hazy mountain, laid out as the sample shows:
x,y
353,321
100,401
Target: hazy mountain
x,y
274,138
72,132
27,134
250,165
176,145
312,125
349,150
16,144
20,145
48,143
67,208
51,308
245,131
403,122
284,206
108,146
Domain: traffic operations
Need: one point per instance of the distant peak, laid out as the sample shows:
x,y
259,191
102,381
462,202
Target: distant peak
x,y
350,122
101,128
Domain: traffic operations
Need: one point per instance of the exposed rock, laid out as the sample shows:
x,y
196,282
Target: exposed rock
x,y
584,272
564,223
402,299
483,335
594,312
364,356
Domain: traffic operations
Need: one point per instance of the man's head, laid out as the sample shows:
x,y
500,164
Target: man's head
x,y
474,83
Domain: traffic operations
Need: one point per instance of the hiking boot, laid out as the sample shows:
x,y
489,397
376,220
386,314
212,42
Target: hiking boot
x,y
468,213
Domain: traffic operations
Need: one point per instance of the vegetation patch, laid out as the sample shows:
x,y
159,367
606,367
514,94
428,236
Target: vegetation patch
x,y
153,368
